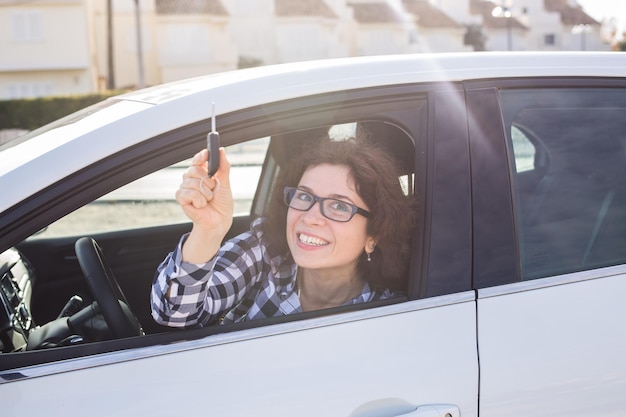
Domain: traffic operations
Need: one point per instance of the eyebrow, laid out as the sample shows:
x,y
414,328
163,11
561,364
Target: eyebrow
x,y
335,196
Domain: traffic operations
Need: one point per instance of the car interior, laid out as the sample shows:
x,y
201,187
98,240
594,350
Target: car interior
x,y
61,295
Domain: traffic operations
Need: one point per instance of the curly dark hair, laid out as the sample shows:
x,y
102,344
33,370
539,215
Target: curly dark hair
x,y
376,178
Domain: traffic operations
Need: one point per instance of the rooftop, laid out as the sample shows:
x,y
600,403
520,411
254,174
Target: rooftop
x,y
211,7
570,15
428,15
375,13
304,8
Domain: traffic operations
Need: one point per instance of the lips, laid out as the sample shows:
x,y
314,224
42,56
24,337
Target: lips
x,y
311,240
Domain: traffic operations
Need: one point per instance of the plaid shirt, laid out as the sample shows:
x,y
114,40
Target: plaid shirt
x,y
244,280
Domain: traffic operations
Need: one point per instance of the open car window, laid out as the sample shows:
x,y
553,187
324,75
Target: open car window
x,y
150,201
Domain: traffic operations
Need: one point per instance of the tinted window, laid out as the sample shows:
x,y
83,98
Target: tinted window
x,y
569,170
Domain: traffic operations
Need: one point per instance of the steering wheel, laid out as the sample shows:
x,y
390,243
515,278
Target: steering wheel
x,y
105,289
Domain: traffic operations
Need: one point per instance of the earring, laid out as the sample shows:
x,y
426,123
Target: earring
x,y
369,256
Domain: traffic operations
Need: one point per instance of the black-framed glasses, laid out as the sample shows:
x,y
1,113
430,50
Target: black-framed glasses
x,y
331,208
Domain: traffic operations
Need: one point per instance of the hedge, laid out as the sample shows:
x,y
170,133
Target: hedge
x,y
30,114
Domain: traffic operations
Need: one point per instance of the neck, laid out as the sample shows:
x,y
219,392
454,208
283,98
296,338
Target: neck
x,y
318,290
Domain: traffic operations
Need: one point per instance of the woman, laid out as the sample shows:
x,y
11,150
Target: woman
x,y
337,233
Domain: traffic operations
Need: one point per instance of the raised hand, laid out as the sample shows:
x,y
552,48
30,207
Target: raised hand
x,y
208,202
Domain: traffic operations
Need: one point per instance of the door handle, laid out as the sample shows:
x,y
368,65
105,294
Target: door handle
x,y
434,410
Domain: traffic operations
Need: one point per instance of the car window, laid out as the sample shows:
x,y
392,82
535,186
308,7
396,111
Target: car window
x,y
523,149
569,158
149,201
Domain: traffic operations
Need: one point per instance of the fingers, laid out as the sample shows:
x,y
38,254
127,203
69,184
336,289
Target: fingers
x,y
197,189
188,196
224,163
198,166
200,158
211,190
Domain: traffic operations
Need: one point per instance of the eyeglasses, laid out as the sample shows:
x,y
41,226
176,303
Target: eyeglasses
x,y
331,208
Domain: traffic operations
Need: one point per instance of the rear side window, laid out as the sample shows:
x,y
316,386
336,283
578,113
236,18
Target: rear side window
x,y
568,156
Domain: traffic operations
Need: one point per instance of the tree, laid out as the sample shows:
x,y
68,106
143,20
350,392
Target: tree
x,y
474,36
249,62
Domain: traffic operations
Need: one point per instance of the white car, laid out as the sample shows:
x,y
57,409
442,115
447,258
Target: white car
x,y
515,299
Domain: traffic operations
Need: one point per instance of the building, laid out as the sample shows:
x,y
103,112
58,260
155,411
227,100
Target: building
x,y
47,49
438,31
82,46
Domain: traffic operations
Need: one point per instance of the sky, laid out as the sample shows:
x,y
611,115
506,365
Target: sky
x,y
599,9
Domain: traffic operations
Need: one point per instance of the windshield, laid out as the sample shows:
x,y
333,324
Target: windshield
x,y
69,119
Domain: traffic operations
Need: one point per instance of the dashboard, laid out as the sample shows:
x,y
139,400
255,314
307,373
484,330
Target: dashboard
x,y
15,295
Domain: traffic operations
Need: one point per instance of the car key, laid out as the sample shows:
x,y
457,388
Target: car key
x,y
213,145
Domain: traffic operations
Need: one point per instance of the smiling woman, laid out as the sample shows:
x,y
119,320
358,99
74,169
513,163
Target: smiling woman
x,y
339,237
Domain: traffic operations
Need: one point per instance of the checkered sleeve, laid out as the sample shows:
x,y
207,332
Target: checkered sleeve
x,y
199,293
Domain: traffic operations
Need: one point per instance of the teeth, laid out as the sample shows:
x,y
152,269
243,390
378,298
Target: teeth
x,y
310,240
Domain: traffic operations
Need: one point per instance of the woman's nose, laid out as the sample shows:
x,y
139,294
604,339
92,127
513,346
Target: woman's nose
x,y
314,214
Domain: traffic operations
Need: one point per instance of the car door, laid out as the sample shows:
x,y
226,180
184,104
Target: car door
x,y
415,355
550,332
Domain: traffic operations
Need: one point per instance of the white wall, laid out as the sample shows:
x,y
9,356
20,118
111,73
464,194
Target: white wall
x,y
251,28
191,46
443,40
45,50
